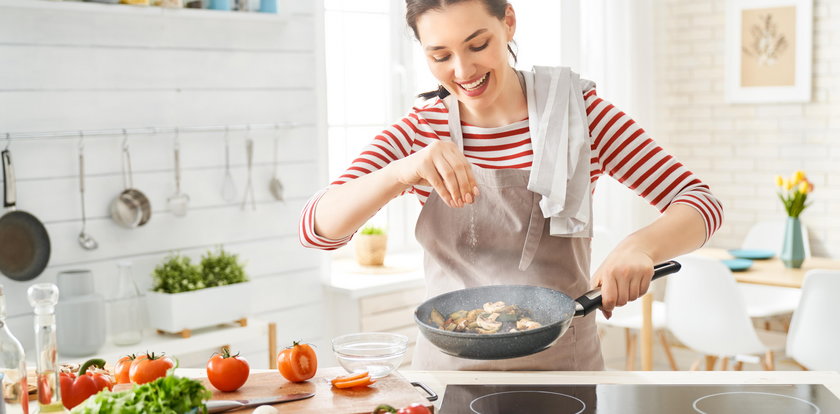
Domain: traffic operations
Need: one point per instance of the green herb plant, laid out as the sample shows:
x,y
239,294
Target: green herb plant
x,y
372,230
177,273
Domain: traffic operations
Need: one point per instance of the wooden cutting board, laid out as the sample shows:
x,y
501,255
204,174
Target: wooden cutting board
x,y
393,390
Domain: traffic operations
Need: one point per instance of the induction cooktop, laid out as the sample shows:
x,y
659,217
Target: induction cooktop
x,y
639,399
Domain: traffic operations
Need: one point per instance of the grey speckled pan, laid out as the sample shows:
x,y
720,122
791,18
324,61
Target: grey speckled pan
x,y
555,310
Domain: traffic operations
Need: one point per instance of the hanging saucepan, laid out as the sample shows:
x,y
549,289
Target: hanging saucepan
x,y
24,242
554,310
131,208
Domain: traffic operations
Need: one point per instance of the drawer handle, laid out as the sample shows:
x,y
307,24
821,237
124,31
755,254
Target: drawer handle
x,y
432,395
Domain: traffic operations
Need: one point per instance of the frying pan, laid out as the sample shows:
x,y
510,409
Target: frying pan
x,y
554,309
24,242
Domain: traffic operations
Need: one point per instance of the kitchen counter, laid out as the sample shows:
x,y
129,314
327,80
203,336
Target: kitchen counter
x,y
437,380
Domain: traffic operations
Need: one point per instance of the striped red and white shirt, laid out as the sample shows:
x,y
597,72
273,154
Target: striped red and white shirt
x,y
619,147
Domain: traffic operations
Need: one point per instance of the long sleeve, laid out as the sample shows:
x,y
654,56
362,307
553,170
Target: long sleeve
x,y
393,143
624,150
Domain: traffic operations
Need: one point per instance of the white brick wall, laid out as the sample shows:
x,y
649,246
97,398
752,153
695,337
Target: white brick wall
x,y
737,149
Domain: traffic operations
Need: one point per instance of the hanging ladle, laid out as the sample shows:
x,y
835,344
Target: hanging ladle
x,y
85,240
228,187
179,201
275,186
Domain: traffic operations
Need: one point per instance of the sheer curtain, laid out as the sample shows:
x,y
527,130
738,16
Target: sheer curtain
x,y
616,43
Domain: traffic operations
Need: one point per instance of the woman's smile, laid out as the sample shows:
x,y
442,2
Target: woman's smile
x,y
476,86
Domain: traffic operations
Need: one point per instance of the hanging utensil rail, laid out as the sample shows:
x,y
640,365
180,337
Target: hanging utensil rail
x,y
18,136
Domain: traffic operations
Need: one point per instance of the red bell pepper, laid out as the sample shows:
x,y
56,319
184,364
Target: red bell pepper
x,y
75,388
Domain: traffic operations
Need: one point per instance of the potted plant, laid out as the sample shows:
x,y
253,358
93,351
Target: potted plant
x,y
371,245
186,296
793,193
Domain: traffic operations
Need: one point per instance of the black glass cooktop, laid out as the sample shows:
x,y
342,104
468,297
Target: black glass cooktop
x,y
639,399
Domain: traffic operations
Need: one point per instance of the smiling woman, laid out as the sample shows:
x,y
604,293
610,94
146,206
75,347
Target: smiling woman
x,y
505,162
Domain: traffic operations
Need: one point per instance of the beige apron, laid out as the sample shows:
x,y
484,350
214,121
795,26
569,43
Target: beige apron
x,y
484,243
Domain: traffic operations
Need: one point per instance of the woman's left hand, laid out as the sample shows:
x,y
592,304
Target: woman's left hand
x,y
624,276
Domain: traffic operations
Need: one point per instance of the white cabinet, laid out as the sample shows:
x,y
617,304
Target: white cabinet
x,y
382,300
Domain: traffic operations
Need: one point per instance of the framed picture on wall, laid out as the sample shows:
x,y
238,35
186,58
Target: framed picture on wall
x,y
768,50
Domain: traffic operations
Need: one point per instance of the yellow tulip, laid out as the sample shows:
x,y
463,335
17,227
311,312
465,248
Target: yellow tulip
x,y
803,187
786,184
779,181
798,177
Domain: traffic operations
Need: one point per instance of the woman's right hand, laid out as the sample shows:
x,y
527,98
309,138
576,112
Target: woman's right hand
x,y
442,166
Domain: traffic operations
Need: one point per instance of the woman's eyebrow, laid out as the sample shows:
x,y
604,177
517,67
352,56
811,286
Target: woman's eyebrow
x,y
470,37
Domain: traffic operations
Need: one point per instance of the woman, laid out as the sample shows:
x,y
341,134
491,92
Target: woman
x,y
493,156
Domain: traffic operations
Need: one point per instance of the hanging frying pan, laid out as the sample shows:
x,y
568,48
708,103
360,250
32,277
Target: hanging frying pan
x,y
24,242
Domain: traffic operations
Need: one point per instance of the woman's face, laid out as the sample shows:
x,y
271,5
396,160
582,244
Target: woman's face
x,y
466,49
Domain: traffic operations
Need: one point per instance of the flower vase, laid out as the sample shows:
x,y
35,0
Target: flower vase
x,y
793,249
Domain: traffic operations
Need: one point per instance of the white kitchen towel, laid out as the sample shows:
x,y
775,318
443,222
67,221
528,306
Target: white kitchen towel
x,y
560,139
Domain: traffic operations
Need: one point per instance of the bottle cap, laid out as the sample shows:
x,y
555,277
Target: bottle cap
x,y
43,297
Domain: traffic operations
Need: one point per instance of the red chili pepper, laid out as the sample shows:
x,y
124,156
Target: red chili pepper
x,y
77,388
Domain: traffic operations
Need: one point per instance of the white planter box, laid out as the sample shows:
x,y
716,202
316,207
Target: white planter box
x,y
175,312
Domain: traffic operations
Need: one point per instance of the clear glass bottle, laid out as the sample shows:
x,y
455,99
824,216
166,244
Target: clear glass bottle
x,y
125,309
13,366
43,298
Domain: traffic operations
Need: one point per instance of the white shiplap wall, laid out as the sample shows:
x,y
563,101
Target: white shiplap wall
x,y
72,66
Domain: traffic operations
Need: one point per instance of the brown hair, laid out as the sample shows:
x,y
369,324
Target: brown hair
x,y
416,8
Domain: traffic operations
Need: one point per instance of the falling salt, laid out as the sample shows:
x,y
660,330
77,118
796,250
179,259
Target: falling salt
x,y
473,236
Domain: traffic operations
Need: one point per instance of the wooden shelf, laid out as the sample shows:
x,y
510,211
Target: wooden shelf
x,y
124,9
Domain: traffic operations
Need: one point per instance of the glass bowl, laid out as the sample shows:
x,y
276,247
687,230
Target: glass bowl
x,y
378,353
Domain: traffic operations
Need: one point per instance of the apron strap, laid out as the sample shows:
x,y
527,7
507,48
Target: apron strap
x,y
455,134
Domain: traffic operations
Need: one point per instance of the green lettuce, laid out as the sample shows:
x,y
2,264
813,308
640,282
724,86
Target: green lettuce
x,y
166,395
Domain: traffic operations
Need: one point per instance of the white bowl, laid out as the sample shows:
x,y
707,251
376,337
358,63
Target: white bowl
x,y
378,353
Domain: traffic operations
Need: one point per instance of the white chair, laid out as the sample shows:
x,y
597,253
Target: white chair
x,y
628,317
705,311
768,301
814,337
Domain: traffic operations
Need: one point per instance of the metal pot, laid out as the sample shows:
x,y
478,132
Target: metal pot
x,y
554,309
131,208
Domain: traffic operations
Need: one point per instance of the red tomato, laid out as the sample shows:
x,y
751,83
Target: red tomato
x,y
122,367
415,408
149,368
227,372
298,362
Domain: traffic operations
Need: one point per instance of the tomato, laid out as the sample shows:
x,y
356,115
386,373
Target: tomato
x,y
415,408
411,409
122,367
149,368
349,377
355,382
298,362
227,372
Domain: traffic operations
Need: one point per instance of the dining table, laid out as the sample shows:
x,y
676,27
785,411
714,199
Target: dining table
x,y
768,272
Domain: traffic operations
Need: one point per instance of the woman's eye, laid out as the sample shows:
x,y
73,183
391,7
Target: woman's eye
x,y
440,59
480,48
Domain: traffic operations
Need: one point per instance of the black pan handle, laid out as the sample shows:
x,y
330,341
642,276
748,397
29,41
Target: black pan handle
x,y
591,300
8,180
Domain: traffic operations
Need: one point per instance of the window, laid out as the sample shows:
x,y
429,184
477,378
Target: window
x,y
369,87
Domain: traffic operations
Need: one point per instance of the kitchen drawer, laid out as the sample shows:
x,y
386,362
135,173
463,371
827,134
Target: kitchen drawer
x,y
371,305
388,321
